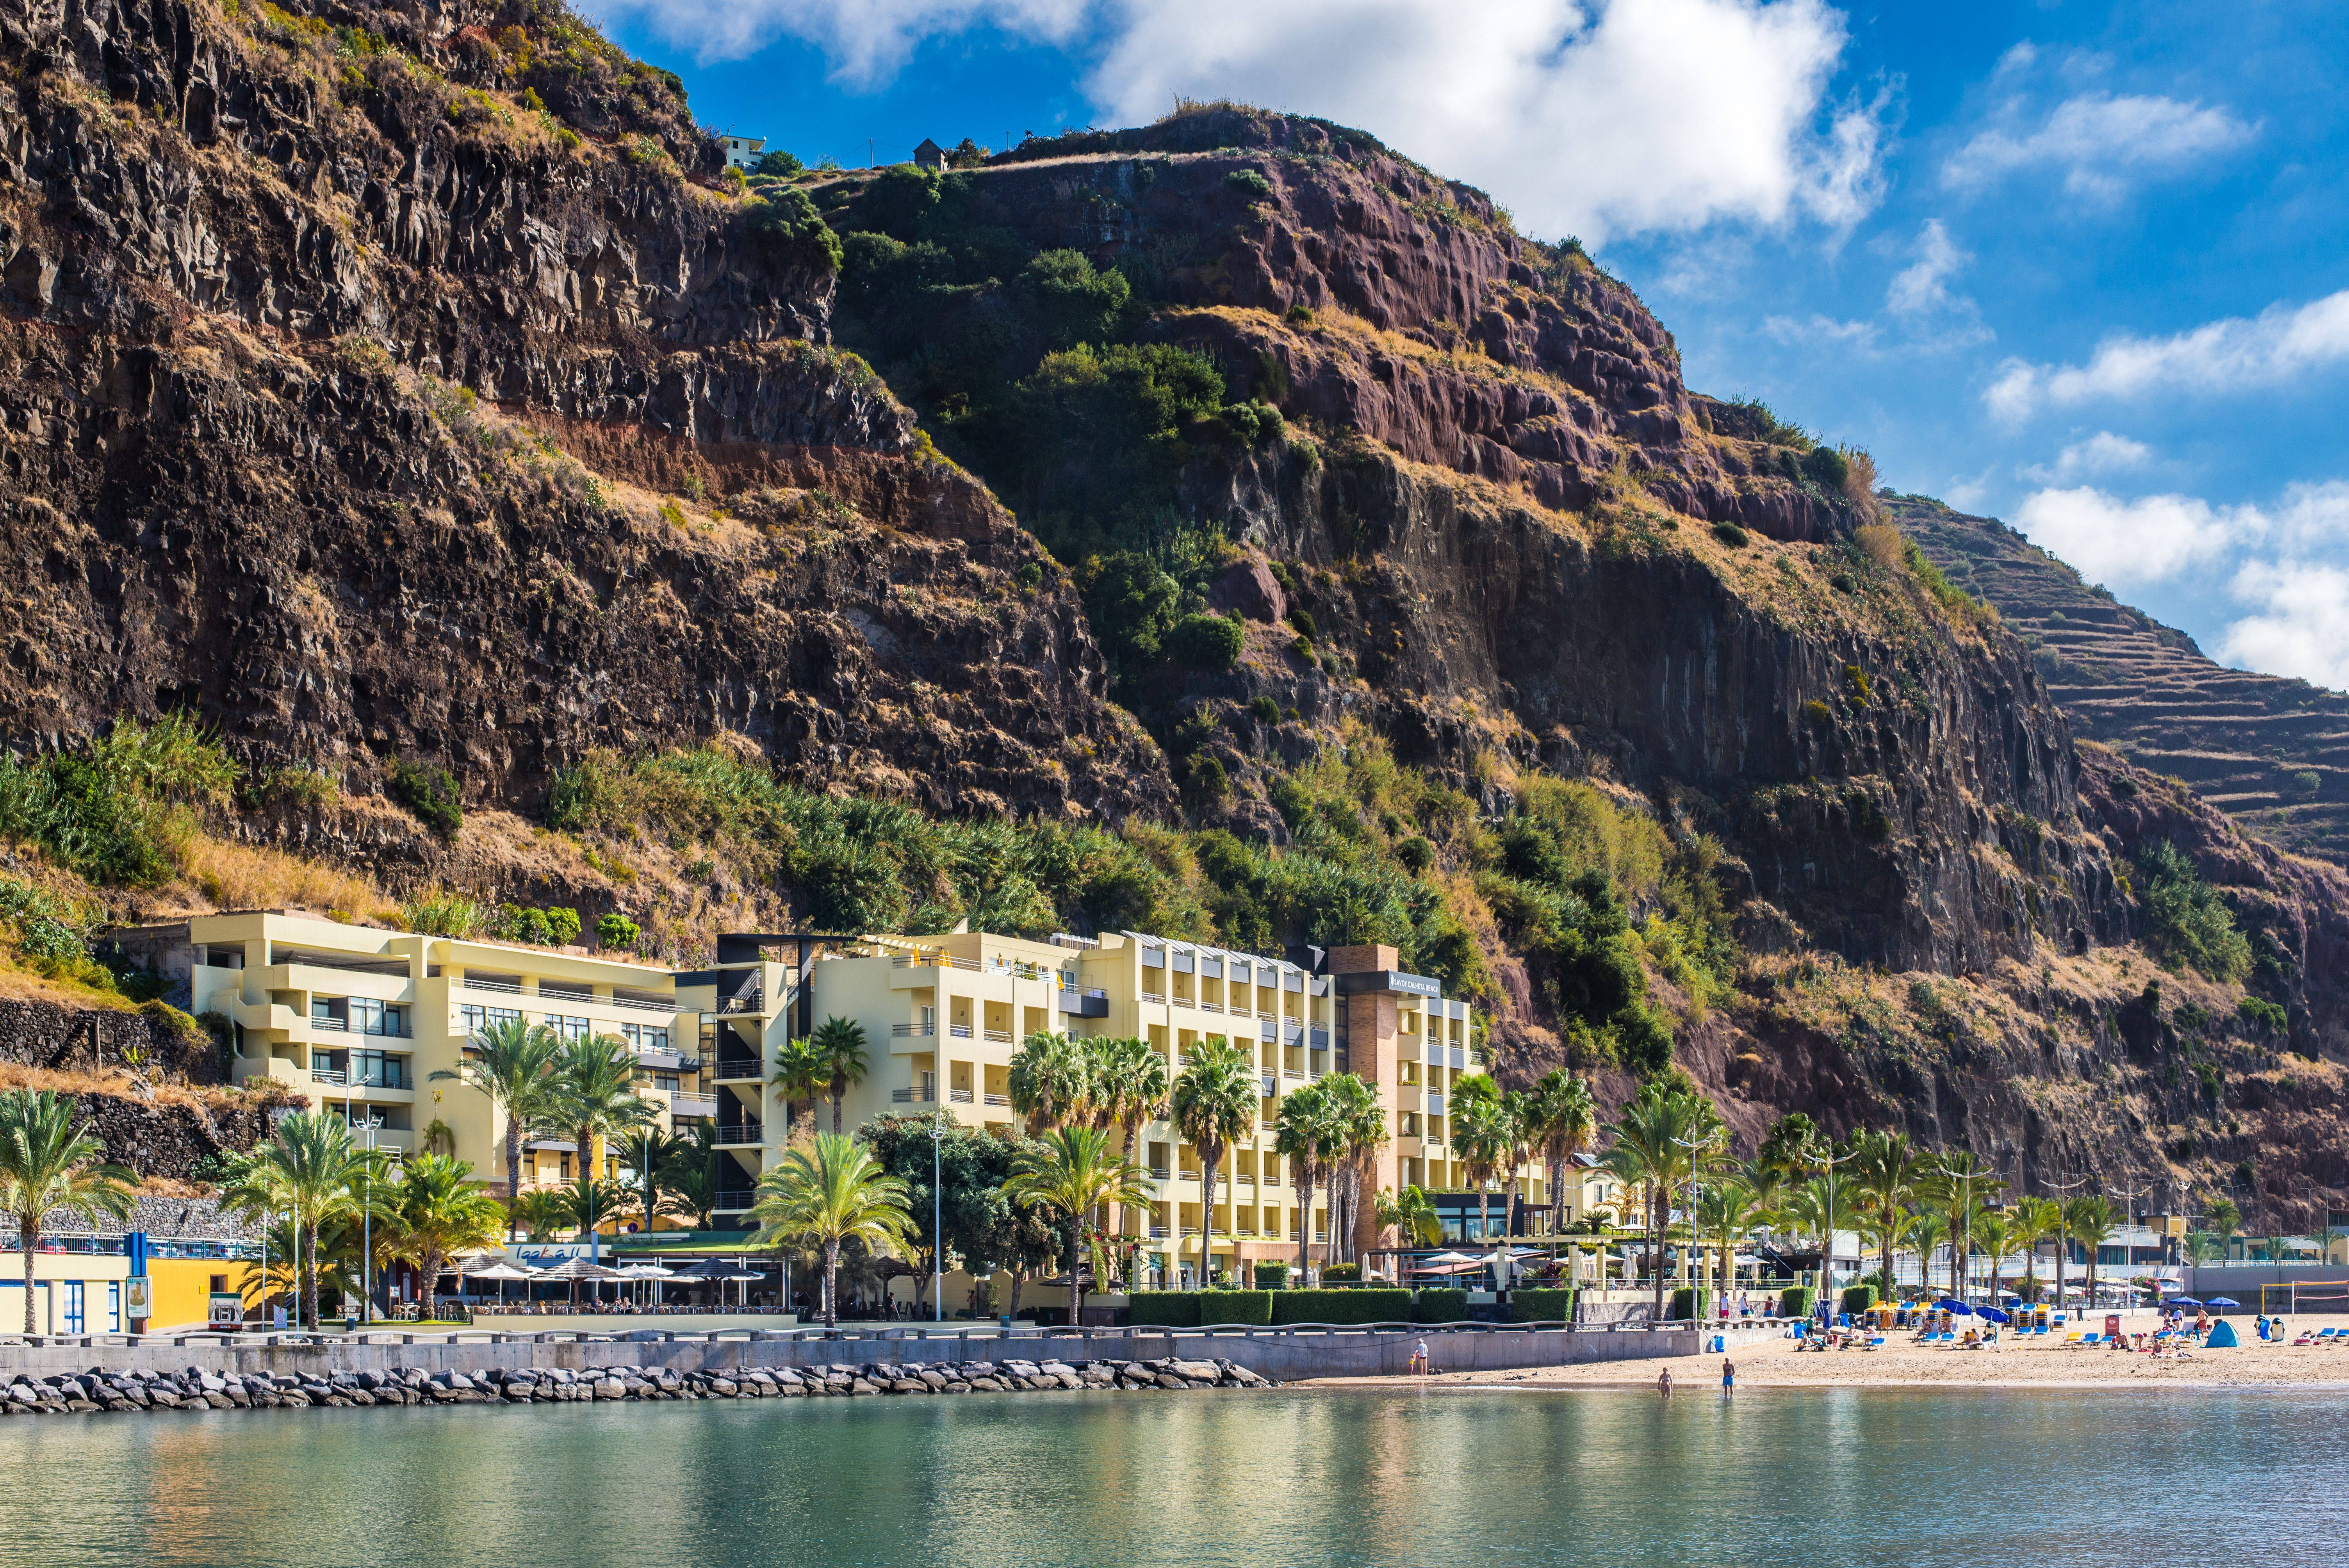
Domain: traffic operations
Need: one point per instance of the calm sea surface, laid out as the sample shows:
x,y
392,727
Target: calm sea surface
x,y
1600,1477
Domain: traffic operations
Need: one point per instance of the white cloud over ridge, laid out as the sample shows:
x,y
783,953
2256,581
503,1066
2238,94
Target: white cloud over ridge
x,y
1594,118
2100,142
2101,454
2228,356
2143,540
2302,627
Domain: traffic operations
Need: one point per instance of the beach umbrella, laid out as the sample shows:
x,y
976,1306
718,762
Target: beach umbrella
x,y
1449,1258
2185,1301
2226,1301
1955,1306
503,1270
1992,1315
576,1269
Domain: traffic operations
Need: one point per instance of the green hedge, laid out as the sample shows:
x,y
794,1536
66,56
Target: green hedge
x,y
1252,1307
1341,1307
1689,1302
1165,1309
1858,1297
1439,1306
1541,1306
1272,1276
1336,1272
1796,1301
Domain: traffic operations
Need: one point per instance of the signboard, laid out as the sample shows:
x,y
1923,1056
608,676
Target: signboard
x,y
225,1309
139,1298
2112,1325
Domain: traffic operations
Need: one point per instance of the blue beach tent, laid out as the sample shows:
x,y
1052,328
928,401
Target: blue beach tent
x,y
2222,1336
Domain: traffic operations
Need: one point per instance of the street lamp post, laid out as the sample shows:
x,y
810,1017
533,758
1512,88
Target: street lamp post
x,y
1962,1246
938,1216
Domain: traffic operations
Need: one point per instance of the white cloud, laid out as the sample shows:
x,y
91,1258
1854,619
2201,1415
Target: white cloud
x,y
2116,541
2303,628
2101,454
2228,356
1820,329
1924,286
2102,143
866,41
1593,117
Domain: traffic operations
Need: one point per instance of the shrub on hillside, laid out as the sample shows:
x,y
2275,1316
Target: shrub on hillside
x,y
1248,183
786,231
618,932
1207,642
2186,923
429,794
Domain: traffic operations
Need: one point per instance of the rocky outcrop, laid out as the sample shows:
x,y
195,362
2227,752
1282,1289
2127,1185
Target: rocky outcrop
x,y
256,282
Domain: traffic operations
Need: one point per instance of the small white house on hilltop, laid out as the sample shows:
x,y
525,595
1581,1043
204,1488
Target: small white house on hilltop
x,y
929,155
743,152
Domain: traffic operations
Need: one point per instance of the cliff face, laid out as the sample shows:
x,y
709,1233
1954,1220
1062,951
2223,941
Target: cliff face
x,y
257,274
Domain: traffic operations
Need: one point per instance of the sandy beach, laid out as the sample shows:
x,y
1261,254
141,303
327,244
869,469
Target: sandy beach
x,y
1904,1363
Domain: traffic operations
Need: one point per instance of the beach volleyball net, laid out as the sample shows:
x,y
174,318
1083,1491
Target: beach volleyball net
x,y
2308,1295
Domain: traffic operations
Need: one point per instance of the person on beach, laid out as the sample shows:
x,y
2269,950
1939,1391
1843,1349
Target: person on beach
x,y
1728,1379
1664,1382
1419,1359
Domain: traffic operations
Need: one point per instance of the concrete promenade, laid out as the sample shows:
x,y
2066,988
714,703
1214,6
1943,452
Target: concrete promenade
x,y
1284,1355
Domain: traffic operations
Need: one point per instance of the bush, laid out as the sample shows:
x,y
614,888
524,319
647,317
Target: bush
x,y
1689,1302
2307,781
516,924
1271,1276
1796,1301
431,794
786,231
779,164
562,926
2186,920
2263,1014
1250,1308
1264,709
1415,853
1349,1271
1729,533
1858,1297
1074,302
617,930
1341,1307
1828,468
1442,1305
1535,1305
1165,1308
1248,183
1207,642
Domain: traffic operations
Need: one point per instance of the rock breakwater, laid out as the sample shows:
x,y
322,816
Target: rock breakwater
x,y
127,1391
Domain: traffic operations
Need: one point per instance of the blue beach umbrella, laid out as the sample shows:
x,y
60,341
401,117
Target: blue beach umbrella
x,y
1993,1315
2186,1302
1958,1307
2224,1301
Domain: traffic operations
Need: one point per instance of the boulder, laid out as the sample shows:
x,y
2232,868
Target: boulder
x,y
1249,587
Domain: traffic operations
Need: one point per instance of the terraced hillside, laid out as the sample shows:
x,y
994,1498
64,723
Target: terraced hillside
x,y
2270,752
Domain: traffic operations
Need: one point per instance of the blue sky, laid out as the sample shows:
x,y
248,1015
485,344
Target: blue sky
x,y
2079,267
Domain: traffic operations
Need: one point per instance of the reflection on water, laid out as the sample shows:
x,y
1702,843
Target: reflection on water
x,y
1589,1477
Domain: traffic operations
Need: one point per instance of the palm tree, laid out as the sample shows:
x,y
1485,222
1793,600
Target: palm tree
x,y
1728,1210
1666,1136
1306,1135
1072,1170
801,1070
595,1095
2032,1221
1887,1174
45,1164
1414,1217
279,1270
1563,1116
840,1043
437,1213
651,1153
2091,1216
1516,1111
2225,1218
1480,1136
1213,1105
1960,1184
542,1211
1129,1093
1051,1080
511,1062
590,1204
1362,1132
826,1193
1928,1229
315,1174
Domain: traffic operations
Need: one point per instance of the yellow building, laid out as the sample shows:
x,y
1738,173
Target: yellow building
x,y
356,1021
943,1016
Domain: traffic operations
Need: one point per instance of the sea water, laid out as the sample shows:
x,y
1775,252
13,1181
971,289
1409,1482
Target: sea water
x,y
1582,1477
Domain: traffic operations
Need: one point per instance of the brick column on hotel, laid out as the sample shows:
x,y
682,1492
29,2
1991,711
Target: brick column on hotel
x,y
1371,1056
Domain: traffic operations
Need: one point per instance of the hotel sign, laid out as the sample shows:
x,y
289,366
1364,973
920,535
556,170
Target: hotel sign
x,y
1389,980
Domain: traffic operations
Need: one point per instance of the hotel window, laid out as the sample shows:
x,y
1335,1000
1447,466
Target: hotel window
x,y
570,1028
375,1069
74,1313
476,1019
646,1037
369,1016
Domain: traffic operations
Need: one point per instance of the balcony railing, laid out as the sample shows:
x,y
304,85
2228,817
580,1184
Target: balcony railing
x,y
634,1005
326,1075
998,1100
1186,1175
691,1105
747,1132
1156,997
1016,968
1209,1006
909,1031
913,1097
1159,1232
738,1071
741,1198
959,1031
1159,1174
1000,1037
342,1027
960,1096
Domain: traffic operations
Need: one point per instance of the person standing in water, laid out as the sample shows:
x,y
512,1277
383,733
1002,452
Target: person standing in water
x,y
1664,1382
1728,1378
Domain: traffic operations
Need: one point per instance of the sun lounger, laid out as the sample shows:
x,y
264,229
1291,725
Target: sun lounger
x,y
1876,1343
2083,1341
2305,1339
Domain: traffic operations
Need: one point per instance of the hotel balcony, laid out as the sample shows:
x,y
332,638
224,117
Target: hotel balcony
x,y
691,1106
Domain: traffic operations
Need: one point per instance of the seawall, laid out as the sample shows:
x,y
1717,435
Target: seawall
x,y
1280,1353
